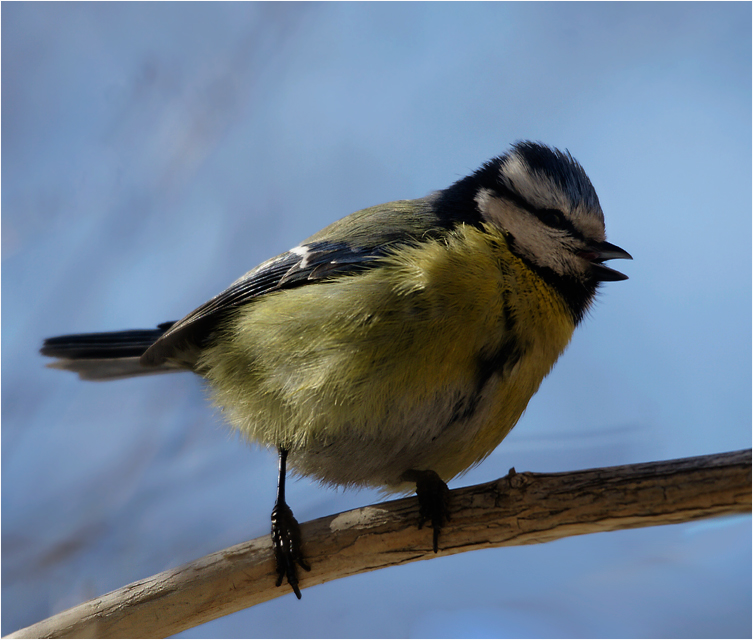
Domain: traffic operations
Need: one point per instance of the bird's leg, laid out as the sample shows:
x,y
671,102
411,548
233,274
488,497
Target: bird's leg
x,y
286,534
433,499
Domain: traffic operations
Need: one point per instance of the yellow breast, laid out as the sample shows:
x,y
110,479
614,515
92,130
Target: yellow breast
x,y
426,361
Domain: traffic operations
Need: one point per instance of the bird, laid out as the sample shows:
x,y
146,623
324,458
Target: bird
x,y
398,346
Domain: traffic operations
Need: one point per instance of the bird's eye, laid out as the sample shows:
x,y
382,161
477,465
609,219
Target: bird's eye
x,y
553,218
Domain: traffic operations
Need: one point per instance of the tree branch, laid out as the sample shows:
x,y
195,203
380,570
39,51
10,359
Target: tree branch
x,y
521,508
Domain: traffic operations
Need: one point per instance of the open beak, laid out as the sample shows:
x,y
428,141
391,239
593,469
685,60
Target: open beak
x,y
597,253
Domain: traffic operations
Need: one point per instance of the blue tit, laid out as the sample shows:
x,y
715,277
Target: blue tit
x,y
398,346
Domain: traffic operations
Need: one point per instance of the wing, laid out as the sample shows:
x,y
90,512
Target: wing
x,y
369,235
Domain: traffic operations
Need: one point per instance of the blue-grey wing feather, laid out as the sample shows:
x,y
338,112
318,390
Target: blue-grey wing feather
x,y
305,265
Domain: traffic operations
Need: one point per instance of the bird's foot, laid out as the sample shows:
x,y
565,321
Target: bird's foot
x,y
433,499
286,540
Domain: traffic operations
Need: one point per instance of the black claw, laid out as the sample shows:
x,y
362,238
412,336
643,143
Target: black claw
x,y
433,499
286,539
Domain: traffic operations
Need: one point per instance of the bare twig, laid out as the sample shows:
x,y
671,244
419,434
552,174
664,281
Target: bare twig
x,y
521,508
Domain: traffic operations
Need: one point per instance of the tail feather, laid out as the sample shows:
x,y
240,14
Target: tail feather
x,y
106,356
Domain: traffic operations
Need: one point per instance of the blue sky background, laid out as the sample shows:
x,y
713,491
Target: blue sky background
x,y
152,153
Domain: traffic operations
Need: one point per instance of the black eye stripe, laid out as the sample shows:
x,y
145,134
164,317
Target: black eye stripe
x,y
552,218
556,219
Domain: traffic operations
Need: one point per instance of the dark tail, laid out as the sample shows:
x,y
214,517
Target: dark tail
x,y
106,356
